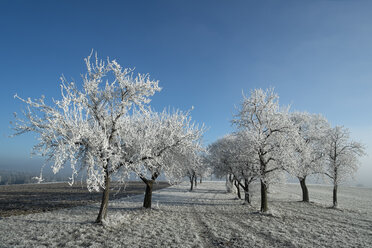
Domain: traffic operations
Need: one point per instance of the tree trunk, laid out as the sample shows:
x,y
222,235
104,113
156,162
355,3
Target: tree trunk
x,y
305,192
238,189
105,198
335,196
229,178
247,198
148,194
191,182
196,181
200,180
228,183
264,207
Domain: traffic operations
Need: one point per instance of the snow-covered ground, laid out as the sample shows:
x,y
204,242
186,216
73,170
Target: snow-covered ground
x,y
207,217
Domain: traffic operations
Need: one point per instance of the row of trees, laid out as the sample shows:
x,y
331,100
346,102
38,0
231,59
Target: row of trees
x,y
196,168
270,140
106,128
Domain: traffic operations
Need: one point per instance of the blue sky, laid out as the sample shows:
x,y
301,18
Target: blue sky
x,y
317,55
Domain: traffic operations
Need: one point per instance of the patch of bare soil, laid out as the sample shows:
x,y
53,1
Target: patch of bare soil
x,y
33,198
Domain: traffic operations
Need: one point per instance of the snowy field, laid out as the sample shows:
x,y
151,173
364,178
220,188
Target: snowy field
x,y
207,217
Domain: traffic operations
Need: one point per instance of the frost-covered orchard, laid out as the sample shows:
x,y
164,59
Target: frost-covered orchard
x,y
270,141
106,128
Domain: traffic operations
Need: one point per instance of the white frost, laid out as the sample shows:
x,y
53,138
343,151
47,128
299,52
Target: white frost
x,y
206,217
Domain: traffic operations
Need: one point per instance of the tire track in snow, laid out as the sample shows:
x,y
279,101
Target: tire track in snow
x,y
207,238
232,225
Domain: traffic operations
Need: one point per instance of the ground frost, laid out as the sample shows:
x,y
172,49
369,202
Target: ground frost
x,y
206,217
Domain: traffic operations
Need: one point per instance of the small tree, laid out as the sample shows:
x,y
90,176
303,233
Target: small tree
x,y
310,151
192,163
245,165
232,155
272,135
219,158
190,173
343,157
87,127
203,170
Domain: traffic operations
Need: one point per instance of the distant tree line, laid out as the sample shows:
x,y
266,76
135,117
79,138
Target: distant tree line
x,y
17,177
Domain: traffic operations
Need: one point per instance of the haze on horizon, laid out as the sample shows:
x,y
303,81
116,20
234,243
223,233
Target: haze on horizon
x,y
315,54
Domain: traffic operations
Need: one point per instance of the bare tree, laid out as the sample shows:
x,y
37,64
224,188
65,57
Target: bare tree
x,y
343,157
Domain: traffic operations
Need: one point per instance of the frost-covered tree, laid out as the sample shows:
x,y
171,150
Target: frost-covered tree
x,y
233,156
219,158
310,152
203,170
160,143
343,157
272,135
245,167
87,127
193,164
191,174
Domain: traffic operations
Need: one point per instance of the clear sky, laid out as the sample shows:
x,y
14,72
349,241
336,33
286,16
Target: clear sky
x,y
316,54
